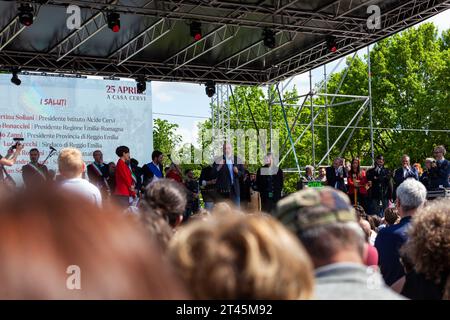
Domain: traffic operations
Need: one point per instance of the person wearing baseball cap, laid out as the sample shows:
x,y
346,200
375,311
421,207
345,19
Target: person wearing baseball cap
x,y
325,222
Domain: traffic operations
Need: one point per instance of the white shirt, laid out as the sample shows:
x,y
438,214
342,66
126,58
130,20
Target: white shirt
x,y
405,171
84,188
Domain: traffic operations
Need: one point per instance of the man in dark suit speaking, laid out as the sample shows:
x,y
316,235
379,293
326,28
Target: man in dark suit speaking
x,y
403,173
229,169
337,174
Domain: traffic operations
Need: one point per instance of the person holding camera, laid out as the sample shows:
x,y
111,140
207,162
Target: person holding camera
x,y
9,160
440,169
425,177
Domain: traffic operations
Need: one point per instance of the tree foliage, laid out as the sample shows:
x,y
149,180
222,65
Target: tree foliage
x,y
165,138
410,90
410,83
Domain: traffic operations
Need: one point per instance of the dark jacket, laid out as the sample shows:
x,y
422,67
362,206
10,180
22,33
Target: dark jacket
x,y
137,171
336,181
418,287
388,243
382,187
32,178
245,185
439,175
192,202
224,184
99,179
425,179
208,173
399,177
147,174
270,184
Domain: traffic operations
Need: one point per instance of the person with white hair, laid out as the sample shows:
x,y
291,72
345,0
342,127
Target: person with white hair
x,y
411,196
309,173
337,174
406,171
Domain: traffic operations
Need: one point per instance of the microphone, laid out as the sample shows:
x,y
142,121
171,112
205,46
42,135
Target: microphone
x,y
53,149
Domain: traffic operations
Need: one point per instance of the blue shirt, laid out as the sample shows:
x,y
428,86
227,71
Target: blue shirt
x,y
230,168
388,243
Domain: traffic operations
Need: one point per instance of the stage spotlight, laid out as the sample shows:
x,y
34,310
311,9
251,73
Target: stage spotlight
x,y
196,30
26,15
331,44
269,38
141,85
210,88
113,19
15,78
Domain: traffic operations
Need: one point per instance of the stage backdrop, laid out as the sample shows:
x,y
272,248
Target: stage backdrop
x,y
88,114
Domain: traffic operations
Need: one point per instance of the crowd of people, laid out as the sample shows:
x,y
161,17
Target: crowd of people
x,y
375,189
157,233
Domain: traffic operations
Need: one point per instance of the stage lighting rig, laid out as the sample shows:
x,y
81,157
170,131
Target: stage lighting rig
x,y
210,88
269,38
15,78
113,19
141,84
332,44
196,30
26,15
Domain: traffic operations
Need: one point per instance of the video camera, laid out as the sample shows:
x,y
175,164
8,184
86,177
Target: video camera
x,y
17,142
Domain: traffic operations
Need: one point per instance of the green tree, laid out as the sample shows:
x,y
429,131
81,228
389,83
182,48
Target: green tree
x,y
165,138
410,90
410,83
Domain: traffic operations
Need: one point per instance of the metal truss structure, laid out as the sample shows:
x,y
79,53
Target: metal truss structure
x,y
365,103
220,112
233,50
14,28
352,124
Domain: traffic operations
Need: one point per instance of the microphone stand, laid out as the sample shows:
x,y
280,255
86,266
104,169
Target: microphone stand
x,y
51,154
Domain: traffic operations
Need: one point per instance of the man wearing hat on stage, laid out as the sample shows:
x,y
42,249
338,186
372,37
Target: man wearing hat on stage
x,y
34,174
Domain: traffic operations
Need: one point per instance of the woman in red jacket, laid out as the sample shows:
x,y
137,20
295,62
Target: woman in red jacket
x,y
125,181
357,184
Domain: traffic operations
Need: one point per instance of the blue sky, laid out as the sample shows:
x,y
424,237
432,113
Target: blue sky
x,y
187,104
